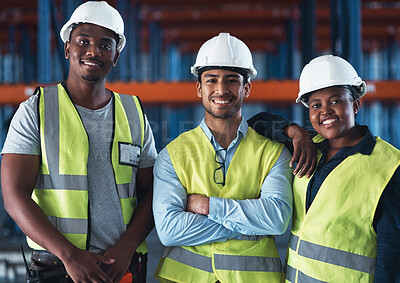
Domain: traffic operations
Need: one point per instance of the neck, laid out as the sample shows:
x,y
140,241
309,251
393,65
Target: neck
x,y
223,130
91,96
351,139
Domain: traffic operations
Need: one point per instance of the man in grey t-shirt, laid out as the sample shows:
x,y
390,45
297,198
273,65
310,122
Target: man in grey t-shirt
x,y
78,160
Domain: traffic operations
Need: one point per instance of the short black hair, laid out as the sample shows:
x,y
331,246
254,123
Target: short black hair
x,y
241,71
354,91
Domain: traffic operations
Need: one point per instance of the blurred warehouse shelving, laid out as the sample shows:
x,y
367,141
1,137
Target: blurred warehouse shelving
x,y
163,37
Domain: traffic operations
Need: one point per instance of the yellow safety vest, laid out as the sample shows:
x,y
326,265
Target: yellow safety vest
x,y
334,241
62,187
250,259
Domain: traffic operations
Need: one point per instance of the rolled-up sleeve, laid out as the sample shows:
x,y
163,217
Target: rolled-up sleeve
x,y
268,215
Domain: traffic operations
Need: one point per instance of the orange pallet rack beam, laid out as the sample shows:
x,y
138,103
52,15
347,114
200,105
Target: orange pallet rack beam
x,y
272,91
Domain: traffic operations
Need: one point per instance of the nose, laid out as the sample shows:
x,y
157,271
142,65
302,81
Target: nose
x,y
221,88
326,108
93,50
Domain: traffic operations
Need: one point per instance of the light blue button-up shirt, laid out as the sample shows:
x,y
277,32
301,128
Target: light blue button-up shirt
x,y
228,218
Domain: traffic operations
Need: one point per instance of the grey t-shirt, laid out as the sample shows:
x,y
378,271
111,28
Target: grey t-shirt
x,y
107,225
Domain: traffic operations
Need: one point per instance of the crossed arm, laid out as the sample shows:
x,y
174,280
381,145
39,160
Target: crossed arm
x,y
183,220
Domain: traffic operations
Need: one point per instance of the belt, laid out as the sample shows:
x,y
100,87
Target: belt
x,y
44,258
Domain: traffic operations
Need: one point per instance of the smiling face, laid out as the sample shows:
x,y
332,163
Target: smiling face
x,y
91,52
222,92
332,112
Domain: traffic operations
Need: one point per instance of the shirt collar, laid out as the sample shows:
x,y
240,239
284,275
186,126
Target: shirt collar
x,y
241,132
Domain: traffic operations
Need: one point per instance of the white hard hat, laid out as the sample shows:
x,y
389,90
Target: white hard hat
x,y
224,50
98,13
326,71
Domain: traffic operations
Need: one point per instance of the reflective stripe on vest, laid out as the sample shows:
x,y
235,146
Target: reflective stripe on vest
x,y
334,241
247,263
333,256
61,190
69,225
187,257
62,182
252,258
222,261
301,277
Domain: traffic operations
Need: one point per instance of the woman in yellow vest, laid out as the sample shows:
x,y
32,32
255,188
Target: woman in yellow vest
x,y
345,225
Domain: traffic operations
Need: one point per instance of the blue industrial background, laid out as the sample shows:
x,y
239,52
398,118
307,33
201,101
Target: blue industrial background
x,y
366,33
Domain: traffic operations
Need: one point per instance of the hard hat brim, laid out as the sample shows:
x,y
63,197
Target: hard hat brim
x,y
67,28
251,71
362,84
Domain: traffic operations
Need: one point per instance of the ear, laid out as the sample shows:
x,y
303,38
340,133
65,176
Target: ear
x,y
247,88
66,49
116,58
356,106
198,89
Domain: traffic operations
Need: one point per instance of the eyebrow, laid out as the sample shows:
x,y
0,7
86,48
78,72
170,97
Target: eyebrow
x,y
228,76
109,39
313,100
330,97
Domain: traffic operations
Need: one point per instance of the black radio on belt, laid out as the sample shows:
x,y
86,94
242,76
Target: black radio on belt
x,y
32,276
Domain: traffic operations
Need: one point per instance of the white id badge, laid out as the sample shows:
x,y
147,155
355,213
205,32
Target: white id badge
x,y
129,154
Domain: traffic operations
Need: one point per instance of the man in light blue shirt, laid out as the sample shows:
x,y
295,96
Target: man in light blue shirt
x,y
221,191
227,218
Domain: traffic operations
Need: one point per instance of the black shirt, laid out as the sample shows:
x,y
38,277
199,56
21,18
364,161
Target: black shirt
x,y
387,215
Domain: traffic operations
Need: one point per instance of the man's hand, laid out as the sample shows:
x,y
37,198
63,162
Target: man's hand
x,y
122,258
83,266
138,229
304,151
198,204
19,173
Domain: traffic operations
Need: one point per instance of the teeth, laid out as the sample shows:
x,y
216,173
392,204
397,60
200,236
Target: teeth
x,y
329,121
221,101
91,63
